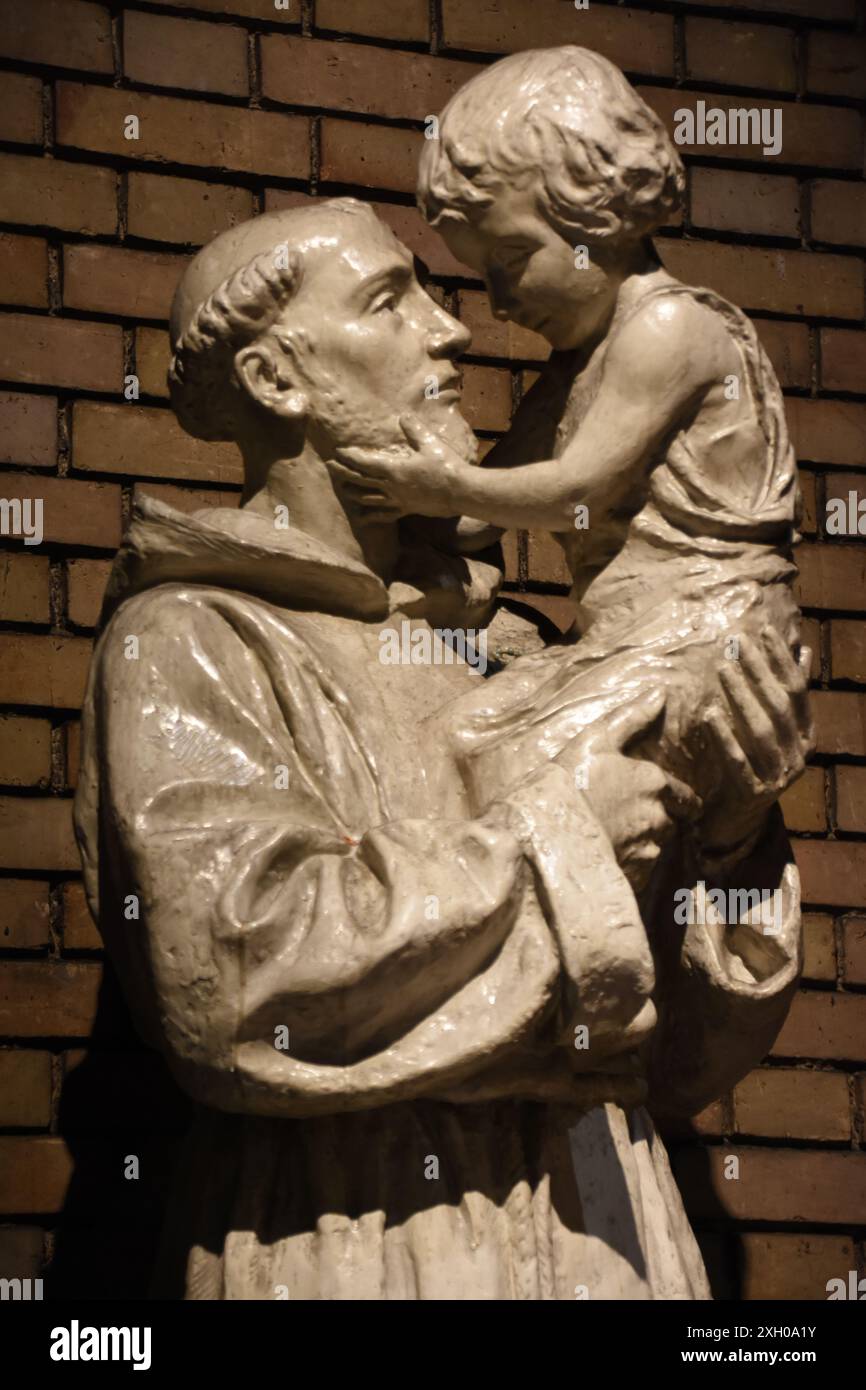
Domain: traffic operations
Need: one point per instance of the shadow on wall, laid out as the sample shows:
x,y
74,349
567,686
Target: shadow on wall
x,y
122,1117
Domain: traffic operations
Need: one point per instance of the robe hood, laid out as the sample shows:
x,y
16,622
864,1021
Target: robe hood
x,y
241,550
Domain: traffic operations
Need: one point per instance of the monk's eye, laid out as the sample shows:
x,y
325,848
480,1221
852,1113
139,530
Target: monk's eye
x,y
384,303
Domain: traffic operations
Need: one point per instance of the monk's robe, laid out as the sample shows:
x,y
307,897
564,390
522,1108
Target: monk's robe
x,y
419,1033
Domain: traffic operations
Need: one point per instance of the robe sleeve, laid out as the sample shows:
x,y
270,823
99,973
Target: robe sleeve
x,y
291,948
724,989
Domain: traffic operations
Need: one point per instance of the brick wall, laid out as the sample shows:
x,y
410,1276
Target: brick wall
x,y
242,107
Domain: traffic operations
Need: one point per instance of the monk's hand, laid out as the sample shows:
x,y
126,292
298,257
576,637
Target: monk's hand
x,y
636,803
415,481
763,732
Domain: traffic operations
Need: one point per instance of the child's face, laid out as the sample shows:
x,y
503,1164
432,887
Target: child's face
x,y
533,275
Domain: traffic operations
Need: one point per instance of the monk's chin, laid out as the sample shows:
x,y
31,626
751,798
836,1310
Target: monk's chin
x,y
447,421
348,428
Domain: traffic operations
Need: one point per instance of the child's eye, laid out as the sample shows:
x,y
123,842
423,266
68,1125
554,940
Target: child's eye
x,y
511,256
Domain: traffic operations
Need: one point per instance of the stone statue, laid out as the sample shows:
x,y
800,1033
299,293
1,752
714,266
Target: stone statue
x,y
420,965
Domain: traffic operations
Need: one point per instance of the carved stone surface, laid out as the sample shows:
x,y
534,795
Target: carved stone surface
x,y
419,930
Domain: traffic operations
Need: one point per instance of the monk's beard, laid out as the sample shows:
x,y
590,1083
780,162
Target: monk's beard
x,y
343,421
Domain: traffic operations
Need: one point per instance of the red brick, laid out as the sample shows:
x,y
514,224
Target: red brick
x,y
637,41
54,193
557,608
830,9
25,1088
24,278
487,397
85,583
358,77
144,441
494,338
79,929
162,208
61,352
36,670
832,872
186,499
380,19
843,359
803,1185
848,650
36,833
742,55
113,280
35,1173
809,518
372,156
788,282
783,1103
832,576
166,52
860,1102
21,1252
21,109
803,803
823,1027
840,721
152,358
57,34
828,431
48,999
72,753
827,136
24,914
851,798
74,512
244,9
730,201
782,1266
839,212
819,947
186,132
28,429
546,561
25,751
787,346
836,64
854,950
24,588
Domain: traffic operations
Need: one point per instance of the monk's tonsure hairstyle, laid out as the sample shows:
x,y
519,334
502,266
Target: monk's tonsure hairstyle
x,y
202,382
568,122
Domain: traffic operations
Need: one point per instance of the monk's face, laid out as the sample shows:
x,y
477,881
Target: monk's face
x,y
364,343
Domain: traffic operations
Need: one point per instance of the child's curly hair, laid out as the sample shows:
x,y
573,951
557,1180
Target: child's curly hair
x,y
567,119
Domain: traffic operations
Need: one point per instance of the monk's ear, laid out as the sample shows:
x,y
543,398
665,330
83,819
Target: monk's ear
x,y
269,378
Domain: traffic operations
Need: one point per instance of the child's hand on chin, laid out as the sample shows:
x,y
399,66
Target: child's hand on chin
x,y
415,481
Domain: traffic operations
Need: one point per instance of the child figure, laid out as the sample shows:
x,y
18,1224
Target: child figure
x,y
653,447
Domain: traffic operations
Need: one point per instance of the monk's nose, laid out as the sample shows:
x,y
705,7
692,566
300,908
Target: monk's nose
x,y
449,337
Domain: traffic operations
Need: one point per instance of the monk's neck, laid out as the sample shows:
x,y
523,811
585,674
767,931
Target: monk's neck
x,y
303,486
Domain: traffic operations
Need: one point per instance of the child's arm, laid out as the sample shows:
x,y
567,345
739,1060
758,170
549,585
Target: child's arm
x,y
658,368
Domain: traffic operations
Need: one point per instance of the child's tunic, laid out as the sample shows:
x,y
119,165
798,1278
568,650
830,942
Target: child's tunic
x,y
706,559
